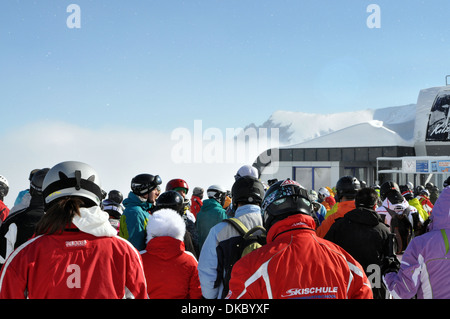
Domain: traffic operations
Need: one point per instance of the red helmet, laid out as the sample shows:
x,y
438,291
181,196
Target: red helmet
x,y
173,184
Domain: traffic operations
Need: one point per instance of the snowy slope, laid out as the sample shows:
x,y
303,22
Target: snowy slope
x,y
298,127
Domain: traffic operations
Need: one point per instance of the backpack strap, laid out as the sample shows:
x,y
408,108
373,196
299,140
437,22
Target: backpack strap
x,y
238,225
394,213
390,211
254,230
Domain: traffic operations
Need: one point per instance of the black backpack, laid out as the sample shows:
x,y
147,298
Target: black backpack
x,y
234,248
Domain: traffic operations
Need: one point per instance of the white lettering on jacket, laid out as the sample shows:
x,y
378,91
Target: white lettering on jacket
x,y
306,291
76,243
74,279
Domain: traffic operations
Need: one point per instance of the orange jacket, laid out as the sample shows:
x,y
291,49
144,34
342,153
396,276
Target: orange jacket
x,y
343,208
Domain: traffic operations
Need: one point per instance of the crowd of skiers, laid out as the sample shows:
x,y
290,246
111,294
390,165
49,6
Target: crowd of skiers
x,y
65,237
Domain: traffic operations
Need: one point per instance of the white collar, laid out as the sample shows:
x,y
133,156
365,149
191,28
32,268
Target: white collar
x,y
94,221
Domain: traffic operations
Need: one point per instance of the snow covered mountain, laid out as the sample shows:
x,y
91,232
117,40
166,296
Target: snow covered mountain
x,y
298,127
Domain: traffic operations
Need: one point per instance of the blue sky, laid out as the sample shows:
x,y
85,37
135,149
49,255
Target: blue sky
x,y
162,64
111,92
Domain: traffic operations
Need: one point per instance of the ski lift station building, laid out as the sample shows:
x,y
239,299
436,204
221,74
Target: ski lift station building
x,y
372,152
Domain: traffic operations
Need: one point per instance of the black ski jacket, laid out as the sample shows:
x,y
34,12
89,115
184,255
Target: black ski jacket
x,y
362,233
19,227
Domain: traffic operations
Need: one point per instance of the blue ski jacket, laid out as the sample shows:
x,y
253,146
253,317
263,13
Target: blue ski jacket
x,y
133,221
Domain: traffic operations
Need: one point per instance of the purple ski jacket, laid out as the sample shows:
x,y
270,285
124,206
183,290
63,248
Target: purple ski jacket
x,y
425,265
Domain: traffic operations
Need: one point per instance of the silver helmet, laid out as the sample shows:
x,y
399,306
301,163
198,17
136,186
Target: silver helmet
x,y
72,178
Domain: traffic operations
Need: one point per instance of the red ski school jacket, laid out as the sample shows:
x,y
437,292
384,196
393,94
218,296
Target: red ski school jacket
x,y
296,263
75,265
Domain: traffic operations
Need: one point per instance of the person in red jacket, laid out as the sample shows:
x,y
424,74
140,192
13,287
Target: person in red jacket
x,y
295,263
171,272
325,198
196,200
4,188
75,253
424,199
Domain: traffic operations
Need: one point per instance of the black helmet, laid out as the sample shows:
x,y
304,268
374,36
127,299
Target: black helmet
x,y
347,186
447,182
285,198
406,192
172,200
32,173
395,197
388,187
37,180
419,189
144,183
247,189
115,196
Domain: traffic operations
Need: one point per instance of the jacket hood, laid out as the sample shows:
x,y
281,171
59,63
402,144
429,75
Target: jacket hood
x,y
165,222
290,223
440,217
247,209
398,208
134,200
94,221
165,247
364,216
211,203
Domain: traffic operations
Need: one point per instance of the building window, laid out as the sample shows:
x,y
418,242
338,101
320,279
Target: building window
x,y
359,172
312,177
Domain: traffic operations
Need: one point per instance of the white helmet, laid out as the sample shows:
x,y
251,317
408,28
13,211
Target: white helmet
x,y
410,185
72,179
247,170
4,186
324,192
217,192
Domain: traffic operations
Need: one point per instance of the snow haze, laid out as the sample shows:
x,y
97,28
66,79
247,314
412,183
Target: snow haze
x,y
119,153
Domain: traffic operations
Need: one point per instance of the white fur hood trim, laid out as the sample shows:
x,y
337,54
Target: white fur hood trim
x,y
94,221
166,222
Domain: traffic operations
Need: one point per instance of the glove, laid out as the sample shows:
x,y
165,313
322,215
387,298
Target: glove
x,y
390,264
